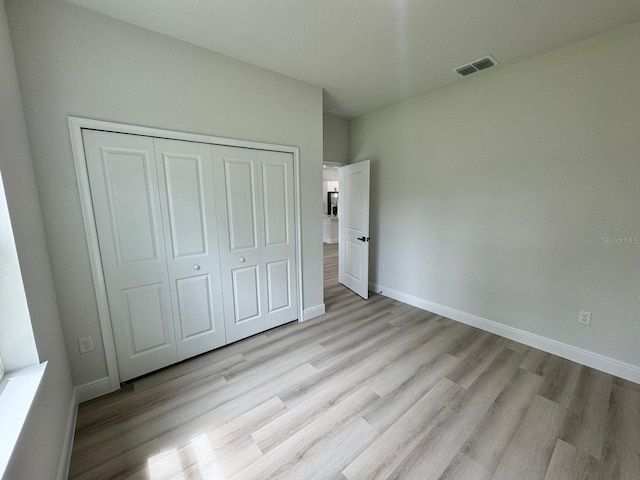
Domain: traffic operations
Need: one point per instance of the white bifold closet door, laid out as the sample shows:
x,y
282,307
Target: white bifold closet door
x,y
154,210
185,173
197,243
254,192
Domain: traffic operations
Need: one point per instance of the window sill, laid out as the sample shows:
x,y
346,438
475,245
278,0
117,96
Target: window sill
x,y
17,391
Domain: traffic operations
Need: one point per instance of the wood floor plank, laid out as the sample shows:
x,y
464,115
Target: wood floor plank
x,y
395,374
464,468
433,454
468,342
560,381
569,463
187,371
230,448
585,420
146,409
373,336
537,362
216,454
341,433
530,451
386,411
407,316
385,454
621,382
476,361
153,391
260,371
621,450
228,403
489,441
299,416
364,363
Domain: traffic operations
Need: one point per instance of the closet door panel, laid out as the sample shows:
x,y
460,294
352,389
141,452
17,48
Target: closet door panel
x,y
124,189
257,233
240,186
278,285
185,198
147,318
189,211
246,294
239,219
278,248
126,175
276,204
195,307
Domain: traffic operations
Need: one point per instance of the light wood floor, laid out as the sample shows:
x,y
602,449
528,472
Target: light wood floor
x,y
373,389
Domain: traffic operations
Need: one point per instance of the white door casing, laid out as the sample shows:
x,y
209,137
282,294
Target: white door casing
x,y
353,227
254,192
185,171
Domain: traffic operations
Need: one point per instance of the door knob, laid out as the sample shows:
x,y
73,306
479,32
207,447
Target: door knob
x,y
242,259
196,267
363,239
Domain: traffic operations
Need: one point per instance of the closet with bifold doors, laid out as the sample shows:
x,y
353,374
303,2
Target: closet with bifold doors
x,y
197,244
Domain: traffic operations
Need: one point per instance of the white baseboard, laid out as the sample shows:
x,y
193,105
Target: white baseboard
x,y
312,312
92,390
65,457
579,355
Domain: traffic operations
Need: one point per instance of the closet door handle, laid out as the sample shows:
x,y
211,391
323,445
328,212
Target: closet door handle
x,y
196,267
242,259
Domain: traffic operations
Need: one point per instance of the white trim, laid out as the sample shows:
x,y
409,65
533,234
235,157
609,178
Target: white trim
x,y
297,207
18,391
584,357
75,130
313,312
76,124
67,447
91,390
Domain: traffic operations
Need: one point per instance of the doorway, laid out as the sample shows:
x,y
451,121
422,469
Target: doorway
x,y
353,230
330,191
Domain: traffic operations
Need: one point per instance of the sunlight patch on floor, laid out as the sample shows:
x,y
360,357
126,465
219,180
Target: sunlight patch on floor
x,y
198,456
165,465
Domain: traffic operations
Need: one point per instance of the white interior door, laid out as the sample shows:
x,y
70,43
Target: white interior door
x,y
124,189
353,227
254,192
185,171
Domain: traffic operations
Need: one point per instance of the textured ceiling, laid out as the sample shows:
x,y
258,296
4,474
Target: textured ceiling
x,y
372,53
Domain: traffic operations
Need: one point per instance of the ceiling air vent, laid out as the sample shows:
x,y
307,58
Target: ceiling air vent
x,y
345,111
476,66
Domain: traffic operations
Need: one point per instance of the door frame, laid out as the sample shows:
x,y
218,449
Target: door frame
x,y
76,125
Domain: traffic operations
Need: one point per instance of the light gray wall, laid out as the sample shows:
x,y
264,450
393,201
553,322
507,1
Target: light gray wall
x,y
493,196
75,62
38,452
336,139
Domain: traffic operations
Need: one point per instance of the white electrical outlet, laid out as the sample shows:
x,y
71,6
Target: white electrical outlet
x,y
584,318
86,344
